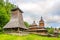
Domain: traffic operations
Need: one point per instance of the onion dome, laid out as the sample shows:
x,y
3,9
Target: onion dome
x,y
33,24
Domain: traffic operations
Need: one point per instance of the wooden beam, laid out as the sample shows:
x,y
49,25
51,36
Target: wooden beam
x,y
18,29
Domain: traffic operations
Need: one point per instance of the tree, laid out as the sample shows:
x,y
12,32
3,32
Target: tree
x,y
5,12
26,24
50,30
3,18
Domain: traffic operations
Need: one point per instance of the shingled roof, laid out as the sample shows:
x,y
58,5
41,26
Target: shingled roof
x,y
15,22
14,9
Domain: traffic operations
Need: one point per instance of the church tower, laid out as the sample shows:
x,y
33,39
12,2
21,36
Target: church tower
x,y
41,23
16,23
34,24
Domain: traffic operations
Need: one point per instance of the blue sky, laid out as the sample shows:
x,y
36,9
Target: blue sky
x,y
34,9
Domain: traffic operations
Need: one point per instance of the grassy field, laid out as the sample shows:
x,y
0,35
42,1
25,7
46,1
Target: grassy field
x,y
27,37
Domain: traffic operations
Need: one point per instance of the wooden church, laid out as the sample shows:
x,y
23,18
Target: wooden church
x,y
38,29
16,23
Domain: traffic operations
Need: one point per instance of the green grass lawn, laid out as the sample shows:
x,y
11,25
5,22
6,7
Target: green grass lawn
x,y
27,37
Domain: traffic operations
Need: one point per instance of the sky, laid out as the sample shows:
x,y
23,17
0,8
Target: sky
x,y
34,9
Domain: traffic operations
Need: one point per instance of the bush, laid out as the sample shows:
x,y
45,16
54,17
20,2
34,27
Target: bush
x,y
26,24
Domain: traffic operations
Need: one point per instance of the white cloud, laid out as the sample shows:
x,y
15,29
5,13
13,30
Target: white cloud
x,y
55,19
28,19
37,8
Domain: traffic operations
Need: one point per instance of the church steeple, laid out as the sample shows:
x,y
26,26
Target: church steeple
x,y
41,19
41,22
34,24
